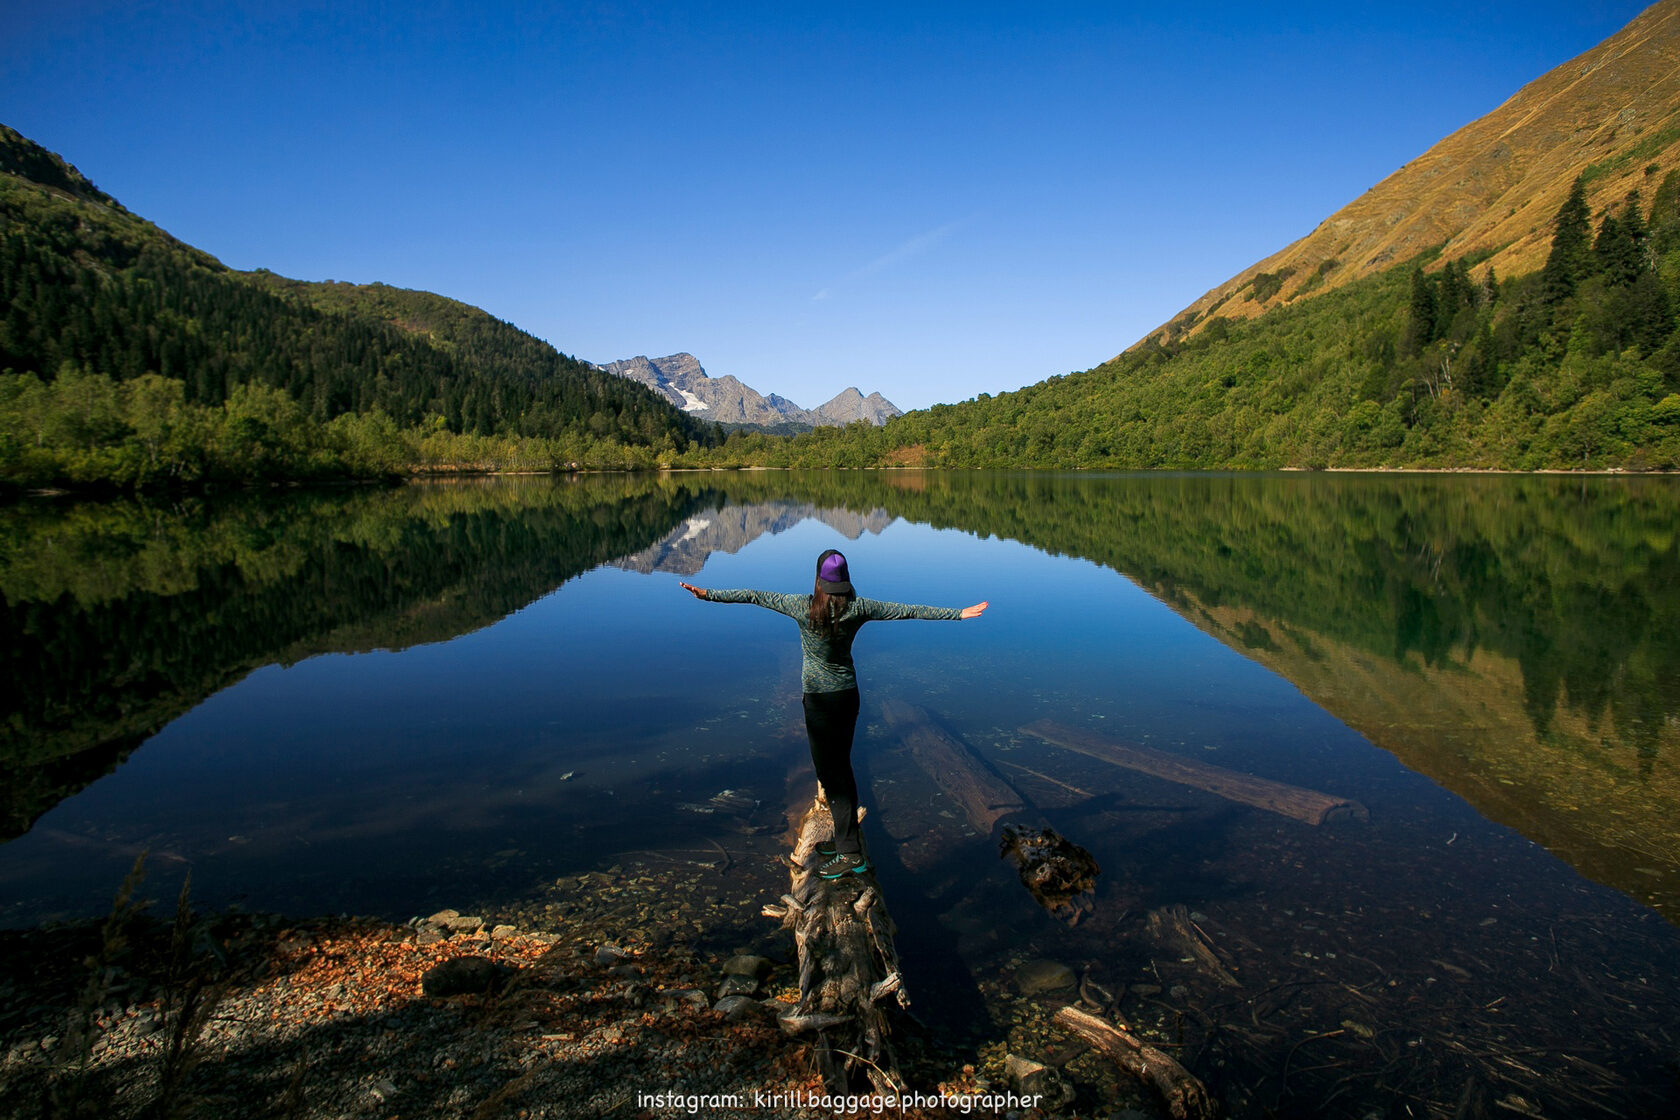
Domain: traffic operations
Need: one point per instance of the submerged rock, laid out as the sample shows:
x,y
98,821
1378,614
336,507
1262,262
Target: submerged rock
x,y
1037,977
746,964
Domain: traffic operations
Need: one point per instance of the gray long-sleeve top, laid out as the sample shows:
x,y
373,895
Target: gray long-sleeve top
x,y
828,658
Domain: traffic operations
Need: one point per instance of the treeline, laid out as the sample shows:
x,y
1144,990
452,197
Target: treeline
x,y
177,369
117,616
1576,366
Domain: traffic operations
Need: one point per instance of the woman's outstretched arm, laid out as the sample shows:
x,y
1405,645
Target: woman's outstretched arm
x,y
791,605
878,611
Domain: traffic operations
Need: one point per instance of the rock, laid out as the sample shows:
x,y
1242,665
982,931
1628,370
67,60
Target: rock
x,y
745,964
625,972
736,985
1030,1078
738,1008
1037,977
442,918
464,976
465,923
692,996
609,955
429,935
503,932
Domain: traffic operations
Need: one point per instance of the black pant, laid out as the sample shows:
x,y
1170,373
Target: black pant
x,y
830,721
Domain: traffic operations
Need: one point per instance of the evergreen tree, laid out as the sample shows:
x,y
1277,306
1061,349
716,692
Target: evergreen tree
x,y
1570,261
1420,328
1665,215
1619,253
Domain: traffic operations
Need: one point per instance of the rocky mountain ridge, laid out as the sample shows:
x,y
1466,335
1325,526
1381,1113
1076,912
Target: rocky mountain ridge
x,y
682,380
728,529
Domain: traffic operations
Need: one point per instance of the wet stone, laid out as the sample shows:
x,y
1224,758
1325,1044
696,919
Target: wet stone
x,y
609,955
503,932
735,1008
465,923
1037,977
746,964
737,985
693,996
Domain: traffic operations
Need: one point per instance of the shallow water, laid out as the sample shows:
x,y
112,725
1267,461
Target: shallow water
x,y
493,695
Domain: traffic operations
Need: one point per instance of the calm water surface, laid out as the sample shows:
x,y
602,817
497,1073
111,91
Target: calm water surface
x,y
494,696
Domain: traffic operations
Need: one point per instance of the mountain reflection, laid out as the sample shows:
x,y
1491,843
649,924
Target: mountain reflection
x,y
1512,638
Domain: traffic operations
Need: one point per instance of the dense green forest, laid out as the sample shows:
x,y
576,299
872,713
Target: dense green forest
x,y
117,616
128,357
1431,364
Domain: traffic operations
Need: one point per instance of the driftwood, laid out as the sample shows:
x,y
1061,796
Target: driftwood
x,y
1172,928
1058,873
1184,1095
1291,801
848,967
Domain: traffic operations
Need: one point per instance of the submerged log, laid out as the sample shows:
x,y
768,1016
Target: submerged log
x,y
1059,874
1172,928
1305,805
1184,1095
848,967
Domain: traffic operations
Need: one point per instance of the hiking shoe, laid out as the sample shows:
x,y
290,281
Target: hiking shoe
x,y
844,863
826,849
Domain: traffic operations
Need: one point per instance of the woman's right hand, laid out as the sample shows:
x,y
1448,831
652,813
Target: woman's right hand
x,y
697,592
975,611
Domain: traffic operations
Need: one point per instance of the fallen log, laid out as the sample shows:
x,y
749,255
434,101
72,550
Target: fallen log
x,y
1172,928
848,967
1059,874
1305,805
1184,1096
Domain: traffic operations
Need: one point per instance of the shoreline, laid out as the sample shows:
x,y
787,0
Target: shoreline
x,y
592,1005
98,491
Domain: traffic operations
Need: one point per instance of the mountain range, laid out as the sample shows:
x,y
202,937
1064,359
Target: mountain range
x,y
1507,300
682,380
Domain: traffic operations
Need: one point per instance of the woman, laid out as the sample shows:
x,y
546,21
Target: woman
x,y
829,618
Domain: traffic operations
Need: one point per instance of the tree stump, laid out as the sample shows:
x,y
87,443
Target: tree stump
x,y
848,967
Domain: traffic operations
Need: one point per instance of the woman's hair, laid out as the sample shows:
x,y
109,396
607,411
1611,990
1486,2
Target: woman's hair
x,y
826,608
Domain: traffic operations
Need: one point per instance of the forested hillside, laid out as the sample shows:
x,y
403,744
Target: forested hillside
x,y
1575,366
130,358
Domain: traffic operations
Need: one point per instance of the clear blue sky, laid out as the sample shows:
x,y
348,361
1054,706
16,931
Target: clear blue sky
x,y
929,200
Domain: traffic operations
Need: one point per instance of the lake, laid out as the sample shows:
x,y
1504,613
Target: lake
x,y
493,695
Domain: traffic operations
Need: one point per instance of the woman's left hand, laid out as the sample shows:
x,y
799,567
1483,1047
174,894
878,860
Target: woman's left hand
x,y
975,611
699,592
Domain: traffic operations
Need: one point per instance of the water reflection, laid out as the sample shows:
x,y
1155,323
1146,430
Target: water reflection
x,y
377,701
1512,638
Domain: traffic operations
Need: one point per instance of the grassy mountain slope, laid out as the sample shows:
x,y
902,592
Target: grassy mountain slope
x,y
129,357
1570,359
1489,190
